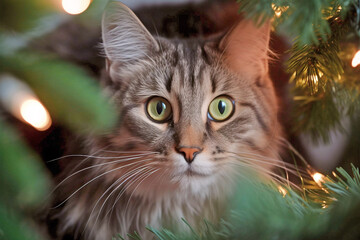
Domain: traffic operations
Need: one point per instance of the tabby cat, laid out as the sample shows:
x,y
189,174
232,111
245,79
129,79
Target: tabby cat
x,y
188,108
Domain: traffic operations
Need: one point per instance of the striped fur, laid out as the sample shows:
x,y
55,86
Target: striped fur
x,y
133,176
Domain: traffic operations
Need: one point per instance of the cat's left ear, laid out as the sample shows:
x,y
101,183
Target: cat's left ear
x,y
246,48
125,38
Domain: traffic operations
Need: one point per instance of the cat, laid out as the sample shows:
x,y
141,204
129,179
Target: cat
x,y
188,108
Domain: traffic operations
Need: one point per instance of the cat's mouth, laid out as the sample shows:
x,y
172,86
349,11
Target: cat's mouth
x,y
191,172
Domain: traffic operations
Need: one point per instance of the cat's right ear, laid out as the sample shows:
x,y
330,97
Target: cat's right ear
x,y
125,38
246,48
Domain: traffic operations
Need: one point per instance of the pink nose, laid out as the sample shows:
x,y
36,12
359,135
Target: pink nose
x,y
189,153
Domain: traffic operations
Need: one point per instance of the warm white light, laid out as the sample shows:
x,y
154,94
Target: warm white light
x,y
282,190
75,6
318,178
356,59
314,78
34,113
19,100
276,10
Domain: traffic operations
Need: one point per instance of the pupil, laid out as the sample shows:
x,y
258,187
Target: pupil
x,y
221,107
159,107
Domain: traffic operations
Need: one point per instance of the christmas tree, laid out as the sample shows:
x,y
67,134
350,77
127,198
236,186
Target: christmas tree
x,y
324,66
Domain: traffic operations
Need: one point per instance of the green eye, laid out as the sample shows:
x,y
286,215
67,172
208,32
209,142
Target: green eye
x,y
221,108
158,109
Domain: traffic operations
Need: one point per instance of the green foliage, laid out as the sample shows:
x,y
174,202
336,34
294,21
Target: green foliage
x,y
21,15
320,99
14,226
304,20
314,66
18,164
323,91
70,94
259,211
23,184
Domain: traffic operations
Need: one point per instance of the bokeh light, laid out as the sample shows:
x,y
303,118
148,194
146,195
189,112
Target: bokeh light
x,y
282,191
318,178
34,113
19,100
75,6
356,59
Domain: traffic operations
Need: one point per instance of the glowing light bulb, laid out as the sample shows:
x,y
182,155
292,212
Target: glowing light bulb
x,y
315,79
19,100
276,10
318,178
282,190
75,6
356,59
34,113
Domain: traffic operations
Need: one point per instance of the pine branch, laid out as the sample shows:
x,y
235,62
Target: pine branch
x,y
324,93
23,185
304,20
71,95
291,217
312,67
321,97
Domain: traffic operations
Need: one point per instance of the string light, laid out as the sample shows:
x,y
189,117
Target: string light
x,y
356,60
355,23
278,10
18,99
314,79
75,6
318,178
282,190
34,113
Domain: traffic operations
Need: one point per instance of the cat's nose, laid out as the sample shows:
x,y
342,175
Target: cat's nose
x,y
189,153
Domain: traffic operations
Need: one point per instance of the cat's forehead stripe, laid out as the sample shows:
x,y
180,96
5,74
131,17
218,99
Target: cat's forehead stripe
x,y
258,116
169,81
191,65
205,55
213,83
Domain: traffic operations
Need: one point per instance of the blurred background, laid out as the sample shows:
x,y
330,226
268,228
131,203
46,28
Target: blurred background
x,y
46,92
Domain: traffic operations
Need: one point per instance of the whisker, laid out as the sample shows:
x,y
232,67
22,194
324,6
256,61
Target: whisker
x,y
143,175
138,170
249,161
271,174
260,157
108,189
116,160
285,167
92,211
87,183
122,152
117,199
292,148
77,155
97,157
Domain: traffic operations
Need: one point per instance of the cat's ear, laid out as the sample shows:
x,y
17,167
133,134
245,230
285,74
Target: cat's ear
x,y
246,48
125,38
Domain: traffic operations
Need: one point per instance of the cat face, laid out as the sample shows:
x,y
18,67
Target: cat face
x,y
196,105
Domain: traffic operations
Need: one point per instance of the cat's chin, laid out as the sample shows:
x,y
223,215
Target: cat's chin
x,y
191,172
